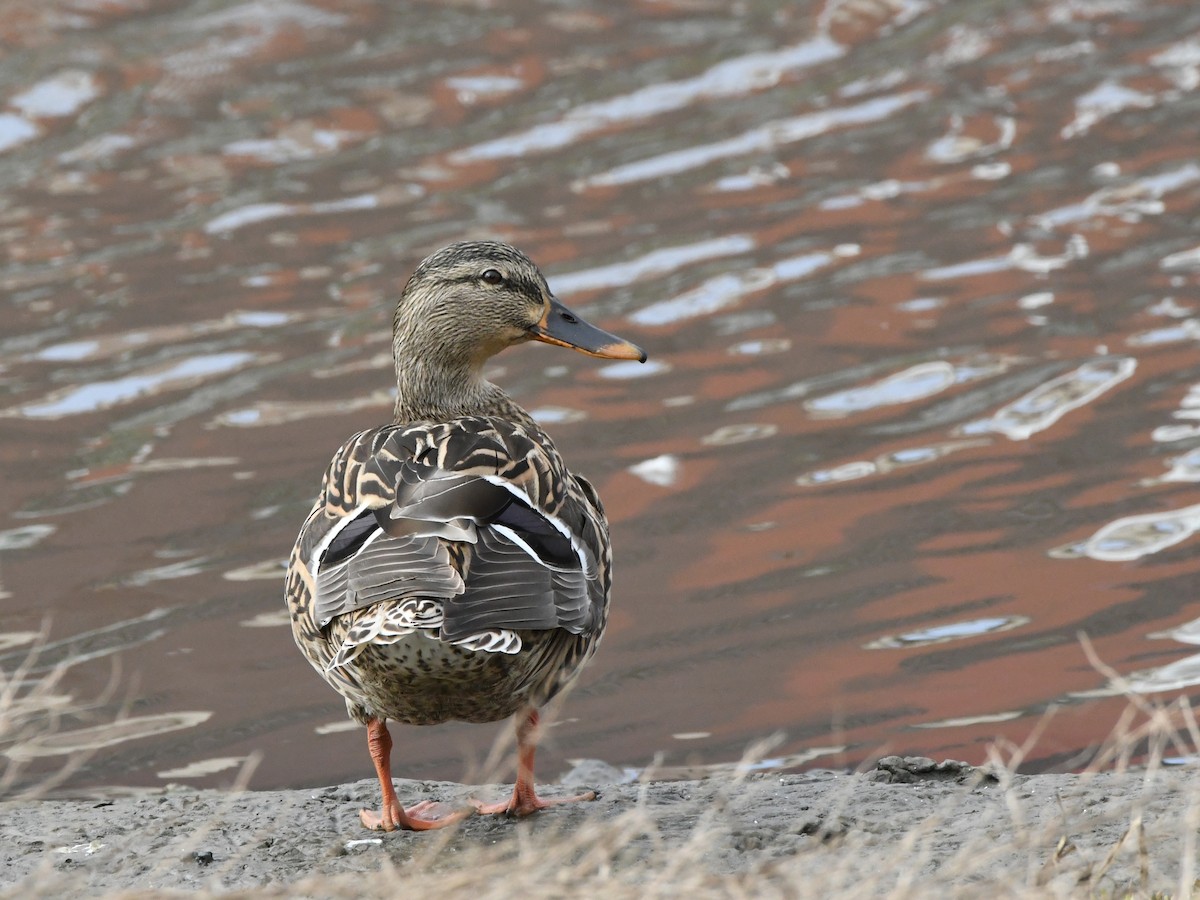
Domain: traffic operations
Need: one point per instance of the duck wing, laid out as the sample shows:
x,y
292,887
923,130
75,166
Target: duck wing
x,y
479,513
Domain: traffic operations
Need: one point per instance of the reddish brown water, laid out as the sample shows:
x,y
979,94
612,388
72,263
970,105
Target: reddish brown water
x,y
918,280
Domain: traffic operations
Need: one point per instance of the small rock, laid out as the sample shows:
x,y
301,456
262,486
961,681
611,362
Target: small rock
x,y
203,857
749,840
911,769
823,830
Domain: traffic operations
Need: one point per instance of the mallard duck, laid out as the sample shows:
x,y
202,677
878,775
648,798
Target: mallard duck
x,y
452,566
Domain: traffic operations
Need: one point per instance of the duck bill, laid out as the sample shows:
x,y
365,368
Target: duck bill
x,y
562,327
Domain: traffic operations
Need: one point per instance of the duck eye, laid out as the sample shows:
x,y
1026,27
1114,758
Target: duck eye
x,y
492,276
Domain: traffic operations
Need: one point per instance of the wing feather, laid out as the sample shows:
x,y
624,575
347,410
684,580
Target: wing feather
x,y
386,568
478,513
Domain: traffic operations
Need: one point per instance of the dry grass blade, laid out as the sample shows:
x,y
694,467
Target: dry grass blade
x,y
33,708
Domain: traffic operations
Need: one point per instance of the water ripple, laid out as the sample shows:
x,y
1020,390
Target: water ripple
x,y
1049,402
729,78
763,139
105,394
1132,537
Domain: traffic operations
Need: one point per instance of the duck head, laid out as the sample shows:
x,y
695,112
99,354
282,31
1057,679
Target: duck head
x,y
473,299
470,300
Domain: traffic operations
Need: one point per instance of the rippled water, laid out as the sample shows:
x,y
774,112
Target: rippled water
x,y
918,280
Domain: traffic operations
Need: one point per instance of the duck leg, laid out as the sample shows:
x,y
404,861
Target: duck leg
x,y
421,817
524,799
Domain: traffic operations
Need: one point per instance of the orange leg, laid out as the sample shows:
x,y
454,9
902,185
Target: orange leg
x,y
524,799
392,815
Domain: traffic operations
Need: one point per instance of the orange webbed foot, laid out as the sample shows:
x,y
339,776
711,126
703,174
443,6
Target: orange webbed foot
x,y
524,804
524,800
424,816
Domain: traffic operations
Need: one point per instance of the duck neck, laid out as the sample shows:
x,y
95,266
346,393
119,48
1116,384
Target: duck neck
x,y
433,386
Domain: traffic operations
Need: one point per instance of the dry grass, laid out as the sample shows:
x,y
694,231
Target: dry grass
x,y
1142,844
32,706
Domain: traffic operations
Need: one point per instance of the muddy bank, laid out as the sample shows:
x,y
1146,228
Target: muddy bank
x,y
907,826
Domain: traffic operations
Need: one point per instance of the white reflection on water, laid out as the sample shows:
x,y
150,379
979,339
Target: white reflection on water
x,y
755,177
278,412
58,96
1022,256
263,17
1036,300
968,268
552,415
1181,62
914,383
1170,307
10,639
71,351
760,347
61,743
1049,402
1187,633
708,297
851,471
299,141
1189,409
728,288
254,213
1187,330
1140,197
991,171
955,147
661,261
109,345
1104,100
921,304
1132,537
891,188
1027,259
734,77
633,369
1180,674
1167,434
468,88
939,634
739,434
183,569
25,536
965,721
264,212
97,148
1184,259
99,395
203,767
15,130
887,462
661,470
279,618
763,139
270,570
1185,467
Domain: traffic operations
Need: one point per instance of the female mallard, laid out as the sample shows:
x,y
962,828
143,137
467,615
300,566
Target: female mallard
x,y
452,568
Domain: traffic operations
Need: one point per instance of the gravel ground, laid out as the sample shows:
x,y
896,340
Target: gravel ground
x,y
905,828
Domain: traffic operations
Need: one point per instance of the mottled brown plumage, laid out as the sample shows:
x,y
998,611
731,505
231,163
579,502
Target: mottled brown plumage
x,y
452,567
